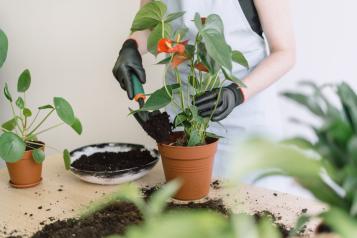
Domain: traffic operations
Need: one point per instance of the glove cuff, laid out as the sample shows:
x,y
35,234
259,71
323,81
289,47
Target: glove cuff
x,y
130,43
238,94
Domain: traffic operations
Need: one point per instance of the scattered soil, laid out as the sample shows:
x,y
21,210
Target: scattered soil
x,y
216,185
323,228
215,205
158,126
284,230
113,219
110,161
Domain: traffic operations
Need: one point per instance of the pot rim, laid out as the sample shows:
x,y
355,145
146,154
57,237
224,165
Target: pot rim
x,y
39,142
214,141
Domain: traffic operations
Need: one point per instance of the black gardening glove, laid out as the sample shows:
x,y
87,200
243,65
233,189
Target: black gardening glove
x,y
231,96
129,62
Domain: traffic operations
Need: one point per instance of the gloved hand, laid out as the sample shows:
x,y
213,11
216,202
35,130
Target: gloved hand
x,y
231,96
129,62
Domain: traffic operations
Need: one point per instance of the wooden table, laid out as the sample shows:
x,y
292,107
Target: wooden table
x,y
61,195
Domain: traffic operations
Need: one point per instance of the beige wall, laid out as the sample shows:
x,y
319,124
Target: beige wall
x,y
71,45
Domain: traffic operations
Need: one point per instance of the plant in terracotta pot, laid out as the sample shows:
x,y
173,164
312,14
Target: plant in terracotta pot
x,y
327,165
205,64
19,144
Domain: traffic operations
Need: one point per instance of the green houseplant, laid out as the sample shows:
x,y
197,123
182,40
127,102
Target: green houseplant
x,y
329,169
209,59
19,144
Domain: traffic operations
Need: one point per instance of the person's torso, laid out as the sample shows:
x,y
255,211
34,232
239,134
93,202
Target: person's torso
x,y
239,18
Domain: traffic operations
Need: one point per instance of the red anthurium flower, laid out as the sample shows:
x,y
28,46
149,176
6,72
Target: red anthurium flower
x,y
166,46
201,67
178,59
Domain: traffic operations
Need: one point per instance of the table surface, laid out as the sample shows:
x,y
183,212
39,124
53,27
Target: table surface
x,y
62,195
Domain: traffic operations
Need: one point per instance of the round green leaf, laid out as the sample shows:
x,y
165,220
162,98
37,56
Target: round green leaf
x,y
3,47
20,103
24,81
67,159
149,16
12,147
38,155
64,110
77,126
27,112
7,93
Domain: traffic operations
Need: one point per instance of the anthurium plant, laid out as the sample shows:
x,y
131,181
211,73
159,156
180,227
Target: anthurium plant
x,y
21,132
329,169
208,59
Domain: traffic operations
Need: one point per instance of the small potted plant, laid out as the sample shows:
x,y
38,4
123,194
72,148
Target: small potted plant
x,y
189,154
19,144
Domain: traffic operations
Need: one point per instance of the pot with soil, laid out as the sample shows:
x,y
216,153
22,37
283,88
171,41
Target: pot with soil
x,y
192,165
19,146
26,172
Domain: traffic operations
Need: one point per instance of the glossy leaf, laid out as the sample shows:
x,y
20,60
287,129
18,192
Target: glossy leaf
x,y
27,112
239,58
24,81
159,98
10,125
48,106
3,47
77,126
173,16
195,138
12,147
64,110
67,159
155,36
149,16
179,119
38,156
217,48
20,103
7,93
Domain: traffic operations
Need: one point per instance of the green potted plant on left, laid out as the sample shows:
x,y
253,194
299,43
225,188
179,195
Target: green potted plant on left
x,y
19,144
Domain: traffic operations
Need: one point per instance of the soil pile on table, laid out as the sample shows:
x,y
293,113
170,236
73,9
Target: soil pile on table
x,y
158,127
113,219
113,161
284,230
215,205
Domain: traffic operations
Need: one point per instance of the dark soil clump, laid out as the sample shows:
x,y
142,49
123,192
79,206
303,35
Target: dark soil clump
x,y
323,228
216,185
215,205
158,126
110,161
113,219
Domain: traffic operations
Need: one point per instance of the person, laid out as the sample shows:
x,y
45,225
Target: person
x,y
254,27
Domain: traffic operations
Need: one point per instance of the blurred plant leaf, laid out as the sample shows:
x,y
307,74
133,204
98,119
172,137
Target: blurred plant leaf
x,y
26,112
48,106
64,110
173,16
20,103
77,126
24,81
67,159
306,101
3,47
340,222
38,156
149,16
160,98
12,147
239,58
10,124
7,93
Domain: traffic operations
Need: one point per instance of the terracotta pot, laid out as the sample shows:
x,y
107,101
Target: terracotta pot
x,y
192,165
25,173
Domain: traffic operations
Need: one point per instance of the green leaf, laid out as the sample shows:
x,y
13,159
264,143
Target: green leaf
x,y
77,126
12,147
213,135
195,138
7,93
158,201
38,156
24,81
159,98
198,21
48,106
352,149
180,119
20,103
165,61
67,159
173,16
299,226
3,47
27,112
309,102
233,78
239,58
299,142
10,125
213,36
181,32
348,99
341,222
149,16
155,37
64,111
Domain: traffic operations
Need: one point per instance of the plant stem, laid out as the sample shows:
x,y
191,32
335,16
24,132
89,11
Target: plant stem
x,y
14,115
33,121
163,29
43,120
178,76
50,128
35,143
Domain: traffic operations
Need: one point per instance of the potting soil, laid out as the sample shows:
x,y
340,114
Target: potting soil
x,y
158,127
